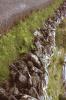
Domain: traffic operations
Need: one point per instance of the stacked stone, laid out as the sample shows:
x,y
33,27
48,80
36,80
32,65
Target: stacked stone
x,y
28,78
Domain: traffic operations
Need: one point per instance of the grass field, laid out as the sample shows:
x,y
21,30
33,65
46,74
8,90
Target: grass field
x,y
55,72
55,69
61,42
19,39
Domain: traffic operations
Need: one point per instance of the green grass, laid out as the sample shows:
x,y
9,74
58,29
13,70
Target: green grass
x,y
61,32
19,39
55,69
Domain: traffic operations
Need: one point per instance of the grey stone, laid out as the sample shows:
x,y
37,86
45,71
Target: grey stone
x,y
27,97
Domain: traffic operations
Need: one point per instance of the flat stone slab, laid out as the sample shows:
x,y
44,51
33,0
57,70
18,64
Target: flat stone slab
x,y
12,11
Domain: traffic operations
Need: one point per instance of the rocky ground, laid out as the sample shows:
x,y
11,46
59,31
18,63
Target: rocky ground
x,y
28,78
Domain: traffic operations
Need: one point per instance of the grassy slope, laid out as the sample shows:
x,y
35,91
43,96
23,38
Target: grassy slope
x,y
61,42
55,82
19,39
55,71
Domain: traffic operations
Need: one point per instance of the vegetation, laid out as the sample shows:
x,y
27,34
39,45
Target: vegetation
x,y
55,69
19,39
55,72
61,32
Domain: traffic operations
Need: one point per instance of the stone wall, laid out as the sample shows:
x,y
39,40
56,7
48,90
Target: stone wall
x,y
29,73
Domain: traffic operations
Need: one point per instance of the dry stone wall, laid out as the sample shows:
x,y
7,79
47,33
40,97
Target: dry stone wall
x,y
29,75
